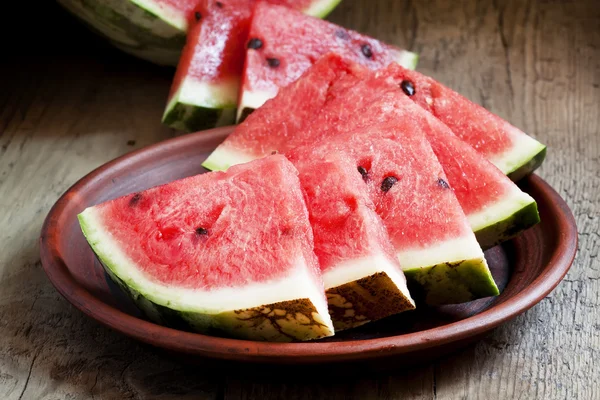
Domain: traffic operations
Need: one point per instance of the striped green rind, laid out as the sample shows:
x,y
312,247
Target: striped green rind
x,y
508,228
452,283
531,165
131,28
191,118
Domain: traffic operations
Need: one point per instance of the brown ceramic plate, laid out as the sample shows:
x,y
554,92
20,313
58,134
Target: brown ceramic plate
x,y
526,269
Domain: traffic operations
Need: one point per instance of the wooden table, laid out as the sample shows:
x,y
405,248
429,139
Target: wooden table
x,y
69,102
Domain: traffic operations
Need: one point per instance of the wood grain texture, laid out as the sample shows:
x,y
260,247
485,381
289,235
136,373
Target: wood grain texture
x,y
78,103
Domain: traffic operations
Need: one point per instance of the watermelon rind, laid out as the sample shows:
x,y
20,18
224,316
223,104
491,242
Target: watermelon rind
x,y
222,158
519,214
285,310
251,100
525,156
135,27
321,8
528,163
455,271
200,105
363,290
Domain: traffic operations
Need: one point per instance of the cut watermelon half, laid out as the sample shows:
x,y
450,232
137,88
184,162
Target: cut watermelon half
x,y
205,88
514,152
227,252
283,43
362,277
154,30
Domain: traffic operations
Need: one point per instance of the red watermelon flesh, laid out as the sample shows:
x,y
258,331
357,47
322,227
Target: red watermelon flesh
x,y
497,209
205,88
362,277
220,250
514,152
283,43
279,120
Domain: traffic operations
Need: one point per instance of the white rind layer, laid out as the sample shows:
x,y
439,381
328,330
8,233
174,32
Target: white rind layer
x,y
523,149
253,100
321,8
353,270
170,15
298,284
450,251
513,202
408,59
203,94
223,157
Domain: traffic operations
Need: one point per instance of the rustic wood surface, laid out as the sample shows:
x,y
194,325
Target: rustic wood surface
x,y
69,103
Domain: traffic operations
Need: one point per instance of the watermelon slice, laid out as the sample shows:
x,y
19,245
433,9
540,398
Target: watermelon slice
x,y
205,89
283,43
362,277
226,251
514,152
153,30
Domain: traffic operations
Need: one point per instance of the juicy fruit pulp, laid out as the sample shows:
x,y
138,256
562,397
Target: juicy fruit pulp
x,y
362,278
511,150
205,89
227,251
291,42
496,208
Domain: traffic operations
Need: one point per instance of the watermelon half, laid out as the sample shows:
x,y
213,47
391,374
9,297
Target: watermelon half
x,y
153,30
362,278
204,92
514,152
283,43
228,252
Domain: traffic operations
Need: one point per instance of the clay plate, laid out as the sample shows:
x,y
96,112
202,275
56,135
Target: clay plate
x,y
526,269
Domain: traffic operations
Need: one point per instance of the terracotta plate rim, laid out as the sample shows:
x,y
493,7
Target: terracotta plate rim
x,y
251,351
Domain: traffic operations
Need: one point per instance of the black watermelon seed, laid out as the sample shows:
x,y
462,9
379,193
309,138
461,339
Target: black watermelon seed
x,y
443,184
131,143
363,171
366,50
135,199
407,87
255,43
219,4
388,183
273,62
201,231
198,16
342,34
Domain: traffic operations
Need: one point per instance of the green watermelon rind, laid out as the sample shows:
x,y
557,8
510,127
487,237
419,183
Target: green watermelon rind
x,y
529,165
509,227
235,323
199,105
131,28
452,283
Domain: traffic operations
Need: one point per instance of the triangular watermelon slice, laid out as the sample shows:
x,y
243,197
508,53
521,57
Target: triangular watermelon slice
x,y
514,152
283,43
226,251
497,209
204,92
430,234
362,277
